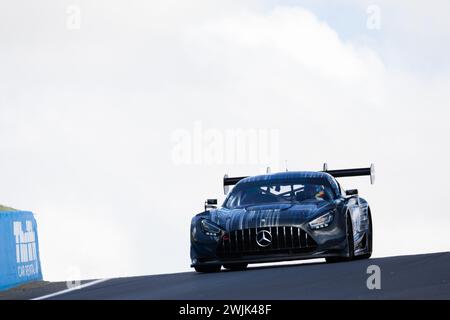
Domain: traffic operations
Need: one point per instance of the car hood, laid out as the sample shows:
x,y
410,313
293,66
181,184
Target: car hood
x,y
269,215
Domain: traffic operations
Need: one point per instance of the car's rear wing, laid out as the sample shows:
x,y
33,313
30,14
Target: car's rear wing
x,y
230,181
370,171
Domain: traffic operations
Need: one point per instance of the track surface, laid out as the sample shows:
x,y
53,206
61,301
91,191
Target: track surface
x,y
405,277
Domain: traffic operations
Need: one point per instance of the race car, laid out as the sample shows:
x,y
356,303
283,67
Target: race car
x,y
283,216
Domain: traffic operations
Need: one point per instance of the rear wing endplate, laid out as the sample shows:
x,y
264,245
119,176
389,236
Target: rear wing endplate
x,y
370,171
230,181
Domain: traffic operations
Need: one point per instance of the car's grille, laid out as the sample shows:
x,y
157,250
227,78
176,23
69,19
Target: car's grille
x,y
285,239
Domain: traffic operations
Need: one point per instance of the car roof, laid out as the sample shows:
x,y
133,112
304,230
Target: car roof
x,y
293,175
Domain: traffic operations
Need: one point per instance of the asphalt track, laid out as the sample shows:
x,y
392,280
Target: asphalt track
x,y
424,276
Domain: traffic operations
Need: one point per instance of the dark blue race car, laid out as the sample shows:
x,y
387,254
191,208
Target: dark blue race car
x,y
283,216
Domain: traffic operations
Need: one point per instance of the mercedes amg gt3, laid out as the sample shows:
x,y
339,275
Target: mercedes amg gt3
x,y
283,216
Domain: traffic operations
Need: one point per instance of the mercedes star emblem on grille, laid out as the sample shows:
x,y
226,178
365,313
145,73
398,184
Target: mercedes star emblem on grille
x,y
263,238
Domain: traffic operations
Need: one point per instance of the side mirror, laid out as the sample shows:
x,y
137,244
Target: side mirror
x,y
210,204
351,192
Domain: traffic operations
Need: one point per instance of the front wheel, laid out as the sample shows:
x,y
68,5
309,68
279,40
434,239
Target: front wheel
x,y
207,269
350,245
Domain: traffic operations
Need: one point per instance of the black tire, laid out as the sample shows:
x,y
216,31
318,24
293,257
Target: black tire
x,y
208,269
369,241
350,245
236,266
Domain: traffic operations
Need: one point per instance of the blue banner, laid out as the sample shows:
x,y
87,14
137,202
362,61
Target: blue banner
x,y
19,249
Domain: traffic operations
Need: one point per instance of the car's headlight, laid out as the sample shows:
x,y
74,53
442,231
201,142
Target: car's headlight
x,y
211,229
323,221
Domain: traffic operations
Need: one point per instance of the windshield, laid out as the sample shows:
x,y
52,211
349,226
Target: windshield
x,y
289,191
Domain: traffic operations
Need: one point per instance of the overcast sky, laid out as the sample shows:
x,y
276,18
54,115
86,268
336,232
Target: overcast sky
x,y
99,98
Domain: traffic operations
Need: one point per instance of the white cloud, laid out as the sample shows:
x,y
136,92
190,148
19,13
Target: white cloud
x,y
86,119
293,34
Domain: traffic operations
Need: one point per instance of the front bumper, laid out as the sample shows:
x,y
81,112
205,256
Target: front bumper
x,y
309,244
